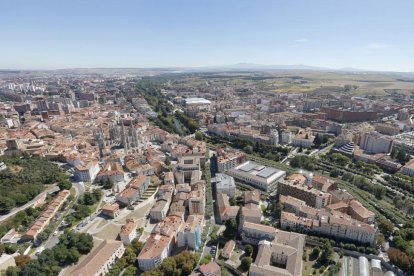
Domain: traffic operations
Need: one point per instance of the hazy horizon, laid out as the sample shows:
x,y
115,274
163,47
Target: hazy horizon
x,y
366,35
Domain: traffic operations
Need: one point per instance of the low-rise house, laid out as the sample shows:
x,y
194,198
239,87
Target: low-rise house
x,y
44,219
228,249
111,210
128,196
408,169
251,197
169,178
225,211
100,260
12,236
210,269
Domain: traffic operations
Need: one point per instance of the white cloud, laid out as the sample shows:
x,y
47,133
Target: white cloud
x,y
375,46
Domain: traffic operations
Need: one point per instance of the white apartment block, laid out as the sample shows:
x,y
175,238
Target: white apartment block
x,y
87,172
128,232
374,142
224,184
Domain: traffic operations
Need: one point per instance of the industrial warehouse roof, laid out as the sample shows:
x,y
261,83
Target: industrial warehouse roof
x,y
196,101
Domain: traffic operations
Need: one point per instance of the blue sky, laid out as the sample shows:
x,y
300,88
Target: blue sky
x,y
47,34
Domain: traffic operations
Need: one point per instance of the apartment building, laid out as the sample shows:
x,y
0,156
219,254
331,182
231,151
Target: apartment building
x,y
354,209
224,184
251,197
323,184
196,202
87,172
184,173
373,142
128,231
228,249
157,247
100,260
280,257
160,244
295,186
189,235
304,138
387,129
228,159
133,191
140,183
159,211
112,170
337,225
253,233
224,210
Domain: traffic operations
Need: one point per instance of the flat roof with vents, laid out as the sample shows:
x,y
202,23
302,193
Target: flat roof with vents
x,y
258,175
267,172
248,167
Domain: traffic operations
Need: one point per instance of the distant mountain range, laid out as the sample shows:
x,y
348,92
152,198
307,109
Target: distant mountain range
x,y
254,66
232,67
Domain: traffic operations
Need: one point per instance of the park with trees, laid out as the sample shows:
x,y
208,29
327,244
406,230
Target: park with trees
x,y
25,178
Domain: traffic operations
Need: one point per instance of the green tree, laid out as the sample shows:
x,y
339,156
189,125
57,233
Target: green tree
x,y
231,229
248,149
385,226
199,135
248,250
315,253
326,254
245,263
65,184
12,271
109,184
168,266
130,271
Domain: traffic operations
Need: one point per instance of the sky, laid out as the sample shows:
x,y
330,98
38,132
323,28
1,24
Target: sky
x,y
52,34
